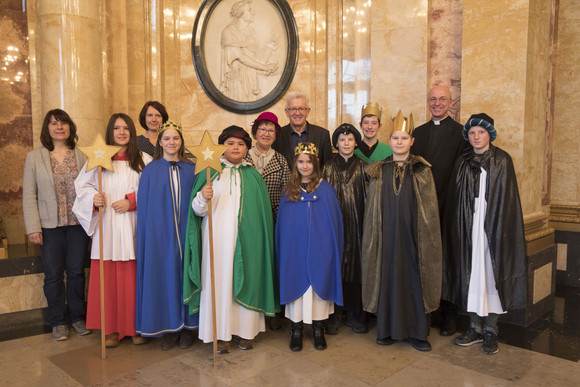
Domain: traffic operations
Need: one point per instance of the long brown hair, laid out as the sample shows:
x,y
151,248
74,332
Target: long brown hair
x,y
133,153
62,116
181,153
293,187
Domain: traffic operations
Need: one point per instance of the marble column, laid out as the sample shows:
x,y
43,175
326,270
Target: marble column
x,y
68,62
15,116
445,23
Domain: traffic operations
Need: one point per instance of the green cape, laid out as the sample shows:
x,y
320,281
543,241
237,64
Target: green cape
x,y
255,285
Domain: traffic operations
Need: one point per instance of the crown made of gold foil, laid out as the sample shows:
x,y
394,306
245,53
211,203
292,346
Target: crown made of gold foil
x,y
306,147
403,124
371,109
169,125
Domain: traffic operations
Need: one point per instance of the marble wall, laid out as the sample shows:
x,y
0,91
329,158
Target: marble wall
x,y
100,57
15,115
566,142
506,72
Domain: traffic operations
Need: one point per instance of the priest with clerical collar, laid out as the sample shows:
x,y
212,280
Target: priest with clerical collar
x,y
440,142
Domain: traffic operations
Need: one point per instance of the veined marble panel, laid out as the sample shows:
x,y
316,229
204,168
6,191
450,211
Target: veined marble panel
x,y
542,283
22,292
15,109
562,257
445,28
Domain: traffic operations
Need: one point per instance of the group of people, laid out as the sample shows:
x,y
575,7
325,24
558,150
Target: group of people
x,y
391,231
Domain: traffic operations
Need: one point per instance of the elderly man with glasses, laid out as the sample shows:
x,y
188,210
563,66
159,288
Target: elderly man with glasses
x,y
299,130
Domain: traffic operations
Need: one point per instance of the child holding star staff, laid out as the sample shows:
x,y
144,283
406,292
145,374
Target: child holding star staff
x,y
245,288
162,207
118,201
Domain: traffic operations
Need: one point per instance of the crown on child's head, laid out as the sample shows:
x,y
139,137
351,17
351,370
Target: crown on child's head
x,y
169,125
371,109
403,124
306,147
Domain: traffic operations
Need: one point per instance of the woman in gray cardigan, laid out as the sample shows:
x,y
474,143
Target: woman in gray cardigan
x,y
48,193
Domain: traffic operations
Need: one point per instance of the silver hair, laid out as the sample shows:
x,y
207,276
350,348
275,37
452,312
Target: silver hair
x,y
297,94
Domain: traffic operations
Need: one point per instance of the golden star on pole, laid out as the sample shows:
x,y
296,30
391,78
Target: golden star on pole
x,y
208,154
99,154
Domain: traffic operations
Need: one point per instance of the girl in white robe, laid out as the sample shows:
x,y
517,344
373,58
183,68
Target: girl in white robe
x,y
119,202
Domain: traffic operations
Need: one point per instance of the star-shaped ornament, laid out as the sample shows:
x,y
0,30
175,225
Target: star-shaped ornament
x,y
99,154
208,154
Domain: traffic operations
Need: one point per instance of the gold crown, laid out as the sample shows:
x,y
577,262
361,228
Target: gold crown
x,y
371,109
169,125
402,124
306,147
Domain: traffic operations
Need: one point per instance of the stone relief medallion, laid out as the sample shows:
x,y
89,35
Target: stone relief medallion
x,y
245,52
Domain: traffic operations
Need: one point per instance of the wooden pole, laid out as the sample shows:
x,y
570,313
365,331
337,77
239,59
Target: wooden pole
x,y
102,270
213,306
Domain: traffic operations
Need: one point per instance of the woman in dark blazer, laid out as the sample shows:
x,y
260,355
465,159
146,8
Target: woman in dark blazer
x,y
48,194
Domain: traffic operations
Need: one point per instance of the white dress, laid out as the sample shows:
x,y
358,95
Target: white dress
x,y
232,318
115,186
483,297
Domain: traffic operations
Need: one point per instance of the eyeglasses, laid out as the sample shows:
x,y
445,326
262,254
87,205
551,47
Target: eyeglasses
x,y
266,130
298,109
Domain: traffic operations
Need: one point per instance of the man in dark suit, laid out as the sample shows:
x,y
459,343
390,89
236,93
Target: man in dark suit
x,y
299,130
440,142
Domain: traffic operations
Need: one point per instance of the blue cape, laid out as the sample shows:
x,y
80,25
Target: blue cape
x,y
309,243
160,235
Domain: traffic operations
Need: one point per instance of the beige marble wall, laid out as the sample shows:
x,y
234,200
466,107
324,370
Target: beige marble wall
x,y
399,42
445,24
566,142
505,73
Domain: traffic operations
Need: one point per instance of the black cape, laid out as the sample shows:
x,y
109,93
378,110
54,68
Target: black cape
x,y
504,228
349,179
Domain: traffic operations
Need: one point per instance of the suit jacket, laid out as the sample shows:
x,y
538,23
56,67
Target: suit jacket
x,y
39,202
316,135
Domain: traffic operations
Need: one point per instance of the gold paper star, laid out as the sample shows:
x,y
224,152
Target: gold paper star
x,y
208,154
99,154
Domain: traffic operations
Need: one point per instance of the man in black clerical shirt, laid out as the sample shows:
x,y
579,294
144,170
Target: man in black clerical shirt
x,y
440,142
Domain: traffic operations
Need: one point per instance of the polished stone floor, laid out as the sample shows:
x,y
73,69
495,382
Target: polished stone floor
x,y
350,360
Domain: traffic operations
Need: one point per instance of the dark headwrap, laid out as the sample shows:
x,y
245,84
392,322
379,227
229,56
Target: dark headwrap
x,y
345,129
237,132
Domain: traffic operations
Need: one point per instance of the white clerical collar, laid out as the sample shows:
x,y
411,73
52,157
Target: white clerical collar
x,y
438,122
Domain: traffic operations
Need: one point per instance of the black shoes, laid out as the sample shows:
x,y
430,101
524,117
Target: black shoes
x,y
318,333
296,337
419,345
185,339
275,323
385,341
489,346
332,324
449,327
469,338
169,340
